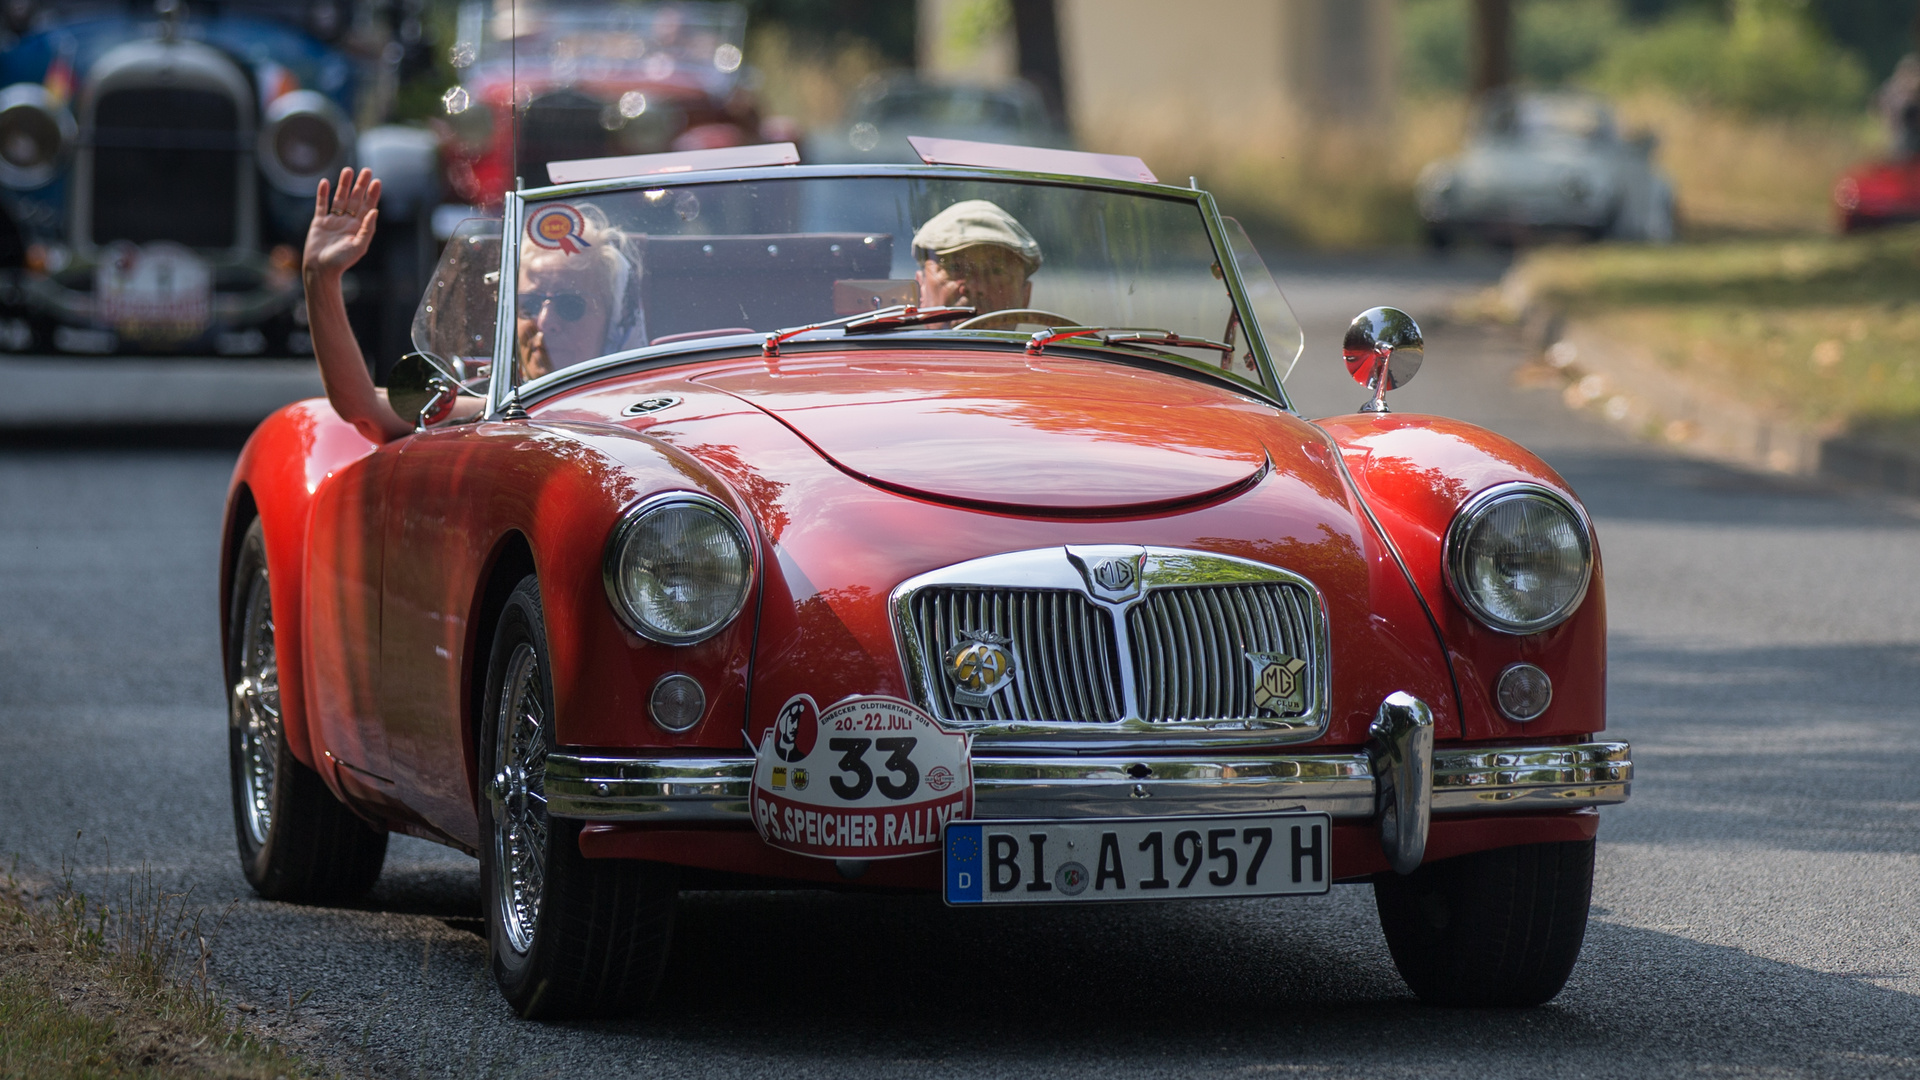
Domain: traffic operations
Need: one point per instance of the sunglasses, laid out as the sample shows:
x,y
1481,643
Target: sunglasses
x,y
571,307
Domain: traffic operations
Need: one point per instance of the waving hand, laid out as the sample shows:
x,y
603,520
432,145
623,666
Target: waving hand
x,y
343,222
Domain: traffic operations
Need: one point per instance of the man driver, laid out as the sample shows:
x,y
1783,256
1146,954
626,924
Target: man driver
x,y
974,254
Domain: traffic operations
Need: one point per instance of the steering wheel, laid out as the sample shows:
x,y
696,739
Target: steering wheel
x,y
1014,319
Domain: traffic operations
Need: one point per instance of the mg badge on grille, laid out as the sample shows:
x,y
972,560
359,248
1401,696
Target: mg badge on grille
x,y
978,666
1279,683
1113,573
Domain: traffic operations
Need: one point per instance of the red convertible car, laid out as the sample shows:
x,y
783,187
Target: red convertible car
x,y
938,527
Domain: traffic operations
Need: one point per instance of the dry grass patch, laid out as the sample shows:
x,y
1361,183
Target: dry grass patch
x,y
1825,331
97,990
1741,174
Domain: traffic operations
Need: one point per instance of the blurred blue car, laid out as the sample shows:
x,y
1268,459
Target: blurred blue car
x,y
158,164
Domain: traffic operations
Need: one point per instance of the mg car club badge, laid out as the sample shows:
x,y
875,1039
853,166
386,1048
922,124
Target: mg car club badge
x,y
869,778
1279,683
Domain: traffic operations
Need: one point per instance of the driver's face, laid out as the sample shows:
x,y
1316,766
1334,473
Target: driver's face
x,y
985,277
561,313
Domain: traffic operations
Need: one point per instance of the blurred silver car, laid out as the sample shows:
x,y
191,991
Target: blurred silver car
x,y
888,110
1546,163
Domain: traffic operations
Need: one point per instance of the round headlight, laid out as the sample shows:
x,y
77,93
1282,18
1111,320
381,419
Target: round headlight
x,y
305,138
678,567
34,133
1519,556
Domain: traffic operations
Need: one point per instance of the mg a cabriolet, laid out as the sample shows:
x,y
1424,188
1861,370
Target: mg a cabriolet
x,y
939,527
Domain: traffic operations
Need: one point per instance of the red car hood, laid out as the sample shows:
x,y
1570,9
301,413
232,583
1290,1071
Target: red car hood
x,y
1055,435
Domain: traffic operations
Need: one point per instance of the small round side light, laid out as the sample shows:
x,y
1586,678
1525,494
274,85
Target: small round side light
x,y
678,702
1523,692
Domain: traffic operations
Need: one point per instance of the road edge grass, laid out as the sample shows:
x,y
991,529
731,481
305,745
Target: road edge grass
x,y
91,989
1792,346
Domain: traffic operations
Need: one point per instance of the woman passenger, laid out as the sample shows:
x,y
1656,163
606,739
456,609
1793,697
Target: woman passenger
x,y
576,301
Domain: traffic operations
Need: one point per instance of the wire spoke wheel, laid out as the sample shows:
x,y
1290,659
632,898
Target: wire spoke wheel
x,y
520,829
255,703
571,936
297,840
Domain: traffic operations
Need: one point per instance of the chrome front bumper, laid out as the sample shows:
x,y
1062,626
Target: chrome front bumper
x,y
711,790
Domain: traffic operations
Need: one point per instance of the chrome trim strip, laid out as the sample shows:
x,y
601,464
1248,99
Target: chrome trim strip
x,y
666,791
1531,778
500,385
853,172
1071,787
715,789
1061,569
1236,288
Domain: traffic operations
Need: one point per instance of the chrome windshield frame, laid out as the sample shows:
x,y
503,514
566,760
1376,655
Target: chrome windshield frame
x,y
502,388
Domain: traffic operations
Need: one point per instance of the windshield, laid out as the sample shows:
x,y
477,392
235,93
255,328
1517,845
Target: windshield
x,y
609,272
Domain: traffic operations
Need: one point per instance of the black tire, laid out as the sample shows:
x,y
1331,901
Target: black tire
x,y
1500,927
596,936
297,842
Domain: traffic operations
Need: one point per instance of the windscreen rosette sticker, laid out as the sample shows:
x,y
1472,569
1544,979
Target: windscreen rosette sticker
x,y
870,778
558,227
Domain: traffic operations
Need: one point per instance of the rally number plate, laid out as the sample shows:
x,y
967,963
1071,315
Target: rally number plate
x,y
1051,862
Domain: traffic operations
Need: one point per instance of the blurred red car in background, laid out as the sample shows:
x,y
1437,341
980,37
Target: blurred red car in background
x,y
590,80
1878,193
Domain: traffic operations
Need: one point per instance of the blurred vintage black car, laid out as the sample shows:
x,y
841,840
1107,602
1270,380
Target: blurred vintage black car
x,y
158,162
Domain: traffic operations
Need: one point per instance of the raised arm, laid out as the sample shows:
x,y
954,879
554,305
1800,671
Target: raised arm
x,y
343,222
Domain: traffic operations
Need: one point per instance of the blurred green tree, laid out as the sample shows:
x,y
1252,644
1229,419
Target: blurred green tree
x,y
1759,56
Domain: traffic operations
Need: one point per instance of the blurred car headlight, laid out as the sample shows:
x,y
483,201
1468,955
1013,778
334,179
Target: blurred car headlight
x,y
35,134
1519,556
678,567
305,139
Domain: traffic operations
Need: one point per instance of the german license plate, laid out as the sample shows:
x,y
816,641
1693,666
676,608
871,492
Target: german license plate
x,y
1051,862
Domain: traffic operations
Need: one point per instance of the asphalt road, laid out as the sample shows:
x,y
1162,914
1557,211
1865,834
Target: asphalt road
x,y
1754,913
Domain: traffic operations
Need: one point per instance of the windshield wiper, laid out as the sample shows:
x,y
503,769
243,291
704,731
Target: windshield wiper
x,y
886,318
1125,337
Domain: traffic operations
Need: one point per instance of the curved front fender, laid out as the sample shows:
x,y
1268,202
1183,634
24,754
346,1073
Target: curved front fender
x,y
1415,472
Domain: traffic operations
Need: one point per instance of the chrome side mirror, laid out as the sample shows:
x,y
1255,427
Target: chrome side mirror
x,y
1383,348
420,389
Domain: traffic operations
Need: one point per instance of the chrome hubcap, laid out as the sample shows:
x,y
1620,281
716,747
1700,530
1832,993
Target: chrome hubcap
x,y
518,796
254,708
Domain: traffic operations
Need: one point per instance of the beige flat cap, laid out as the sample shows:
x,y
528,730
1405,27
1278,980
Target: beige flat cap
x,y
975,221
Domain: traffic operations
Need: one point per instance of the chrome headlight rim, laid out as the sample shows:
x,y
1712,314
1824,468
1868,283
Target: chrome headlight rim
x,y
1470,515
284,108
35,96
630,520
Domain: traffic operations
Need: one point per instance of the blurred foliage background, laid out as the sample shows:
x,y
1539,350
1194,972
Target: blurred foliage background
x,y
1758,104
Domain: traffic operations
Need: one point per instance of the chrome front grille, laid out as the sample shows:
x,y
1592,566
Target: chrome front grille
x,y
1065,665
1113,642
1190,646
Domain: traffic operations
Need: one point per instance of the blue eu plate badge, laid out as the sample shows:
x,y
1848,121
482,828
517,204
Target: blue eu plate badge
x,y
963,863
